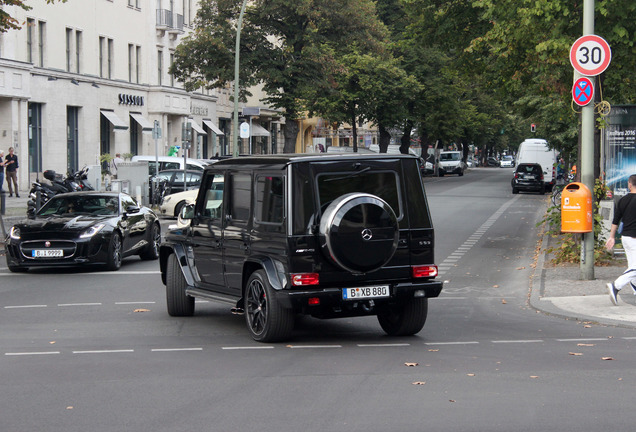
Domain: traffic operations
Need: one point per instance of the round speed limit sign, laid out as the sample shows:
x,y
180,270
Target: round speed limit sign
x,y
590,55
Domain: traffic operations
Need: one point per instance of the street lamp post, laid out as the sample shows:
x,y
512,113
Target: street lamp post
x,y
236,80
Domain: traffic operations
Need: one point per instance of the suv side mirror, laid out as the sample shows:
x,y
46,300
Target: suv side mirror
x,y
187,212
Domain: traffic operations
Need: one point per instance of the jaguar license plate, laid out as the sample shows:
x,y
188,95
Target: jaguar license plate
x,y
47,253
366,292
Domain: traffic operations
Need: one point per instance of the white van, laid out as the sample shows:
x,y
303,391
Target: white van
x,y
537,151
169,162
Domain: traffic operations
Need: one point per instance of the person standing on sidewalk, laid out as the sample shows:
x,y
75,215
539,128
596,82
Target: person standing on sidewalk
x,y
116,161
625,212
1,170
11,169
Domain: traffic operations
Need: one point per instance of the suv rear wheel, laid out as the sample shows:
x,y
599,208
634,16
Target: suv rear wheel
x,y
404,319
267,320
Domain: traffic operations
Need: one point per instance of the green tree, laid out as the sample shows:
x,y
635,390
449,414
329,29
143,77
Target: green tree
x,y
288,46
7,22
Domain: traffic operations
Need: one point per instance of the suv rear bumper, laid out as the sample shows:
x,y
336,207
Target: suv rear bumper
x,y
333,296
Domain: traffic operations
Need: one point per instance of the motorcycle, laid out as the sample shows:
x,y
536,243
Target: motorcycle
x,y
40,193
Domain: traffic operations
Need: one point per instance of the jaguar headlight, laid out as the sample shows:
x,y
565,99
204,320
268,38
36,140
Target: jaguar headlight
x,y
92,231
14,233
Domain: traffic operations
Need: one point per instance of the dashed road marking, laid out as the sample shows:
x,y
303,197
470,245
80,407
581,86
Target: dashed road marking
x,y
25,306
31,353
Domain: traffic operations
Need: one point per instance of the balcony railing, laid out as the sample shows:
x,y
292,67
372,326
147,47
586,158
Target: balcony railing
x,y
166,20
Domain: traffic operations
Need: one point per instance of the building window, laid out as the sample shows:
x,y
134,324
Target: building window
x,y
110,57
159,66
69,43
41,39
30,29
131,57
78,50
171,75
101,56
138,63
35,137
72,138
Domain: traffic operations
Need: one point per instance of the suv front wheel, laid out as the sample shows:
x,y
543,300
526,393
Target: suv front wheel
x,y
404,319
267,320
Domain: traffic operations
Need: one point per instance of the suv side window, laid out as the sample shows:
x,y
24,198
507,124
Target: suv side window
x,y
269,203
213,201
240,196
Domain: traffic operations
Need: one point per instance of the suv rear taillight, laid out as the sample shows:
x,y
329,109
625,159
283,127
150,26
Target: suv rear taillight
x,y
424,271
303,279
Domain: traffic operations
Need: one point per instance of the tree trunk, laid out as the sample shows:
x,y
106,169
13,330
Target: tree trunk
x,y
354,132
291,134
385,139
405,141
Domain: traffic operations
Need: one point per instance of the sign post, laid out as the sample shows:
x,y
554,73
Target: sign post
x,y
156,134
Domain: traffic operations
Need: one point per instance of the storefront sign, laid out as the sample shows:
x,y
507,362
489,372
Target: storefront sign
x,y
126,99
199,110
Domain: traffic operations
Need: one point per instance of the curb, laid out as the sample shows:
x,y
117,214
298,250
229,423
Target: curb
x,y
537,291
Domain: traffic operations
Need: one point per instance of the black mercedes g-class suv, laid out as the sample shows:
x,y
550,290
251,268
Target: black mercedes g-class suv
x,y
328,235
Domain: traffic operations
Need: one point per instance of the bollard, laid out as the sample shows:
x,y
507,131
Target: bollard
x,y
3,203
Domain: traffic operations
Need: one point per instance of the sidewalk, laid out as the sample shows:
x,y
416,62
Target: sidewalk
x,y
559,291
555,290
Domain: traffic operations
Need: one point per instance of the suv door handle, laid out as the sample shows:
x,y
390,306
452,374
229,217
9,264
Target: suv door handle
x,y
245,247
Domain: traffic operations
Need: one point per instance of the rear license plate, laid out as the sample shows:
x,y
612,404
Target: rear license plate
x,y
365,292
47,253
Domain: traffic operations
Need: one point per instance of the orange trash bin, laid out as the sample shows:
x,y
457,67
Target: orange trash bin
x,y
576,209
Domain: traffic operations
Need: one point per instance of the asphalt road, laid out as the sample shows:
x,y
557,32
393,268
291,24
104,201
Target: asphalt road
x,y
96,351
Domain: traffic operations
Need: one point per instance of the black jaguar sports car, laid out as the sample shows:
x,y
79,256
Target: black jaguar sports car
x,y
84,228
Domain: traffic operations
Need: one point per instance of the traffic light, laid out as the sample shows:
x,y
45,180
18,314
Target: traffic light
x,y
533,127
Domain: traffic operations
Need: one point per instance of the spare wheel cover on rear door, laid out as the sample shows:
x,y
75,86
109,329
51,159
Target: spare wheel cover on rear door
x,y
359,232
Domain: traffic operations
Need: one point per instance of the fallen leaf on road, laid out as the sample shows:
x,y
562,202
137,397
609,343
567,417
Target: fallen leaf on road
x,y
576,354
587,345
419,383
450,400
471,375
495,286
520,268
69,407
433,350
607,358
410,364
587,326
52,342
534,376
141,310
503,301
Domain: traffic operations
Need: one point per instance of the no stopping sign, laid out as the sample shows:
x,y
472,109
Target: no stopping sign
x,y
590,55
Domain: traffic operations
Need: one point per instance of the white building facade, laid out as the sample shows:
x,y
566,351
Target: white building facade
x,y
88,78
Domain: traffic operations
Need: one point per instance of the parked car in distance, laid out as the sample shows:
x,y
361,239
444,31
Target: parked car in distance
x,y
528,177
450,162
507,161
173,180
172,204
326,235
80,228
492,161
169,163
537,151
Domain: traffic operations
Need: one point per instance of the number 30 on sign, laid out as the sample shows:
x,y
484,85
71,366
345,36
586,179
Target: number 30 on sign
x,y
590,55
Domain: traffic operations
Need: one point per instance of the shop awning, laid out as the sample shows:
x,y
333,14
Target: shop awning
x,y
118,124
142,121
197,127
213,127
258,130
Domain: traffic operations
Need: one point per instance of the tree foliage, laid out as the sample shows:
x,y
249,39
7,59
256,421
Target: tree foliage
x,y
288,46
7,22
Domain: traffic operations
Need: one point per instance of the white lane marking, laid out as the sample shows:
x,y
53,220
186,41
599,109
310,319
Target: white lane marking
x,y
478,234
25,306
247,347
630,337
582,340
313,346
79,304
31,353
383,345
452,343
104,351
516,341
175,349
132,303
